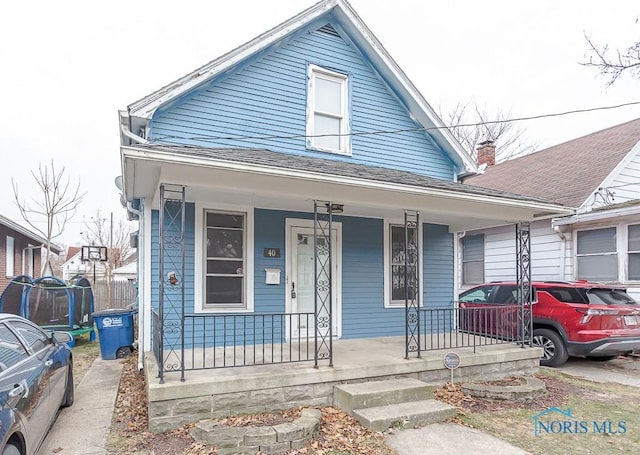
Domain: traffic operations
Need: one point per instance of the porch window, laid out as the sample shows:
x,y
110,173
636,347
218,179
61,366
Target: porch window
x,y
633,249
473,259
225,260
397,265
597,254
327,111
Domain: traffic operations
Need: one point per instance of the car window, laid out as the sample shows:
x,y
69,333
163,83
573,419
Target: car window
x,y
477,295
508,294
609,296
36,339
11,350
568,295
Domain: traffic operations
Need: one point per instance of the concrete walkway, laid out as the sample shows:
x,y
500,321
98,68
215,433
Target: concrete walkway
x,y
82,429
449,438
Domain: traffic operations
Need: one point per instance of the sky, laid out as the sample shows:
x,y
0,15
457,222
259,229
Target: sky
x,y
68,66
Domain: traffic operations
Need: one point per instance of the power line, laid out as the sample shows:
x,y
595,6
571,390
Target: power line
x,y
397,131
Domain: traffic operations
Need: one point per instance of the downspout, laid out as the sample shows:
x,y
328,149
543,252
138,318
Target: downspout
x,y
141,308
563,250
133,137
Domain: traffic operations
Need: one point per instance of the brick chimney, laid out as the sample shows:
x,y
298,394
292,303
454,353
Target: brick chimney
x,y
486,153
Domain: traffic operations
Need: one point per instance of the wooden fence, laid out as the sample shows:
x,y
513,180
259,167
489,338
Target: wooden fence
x,y
117,294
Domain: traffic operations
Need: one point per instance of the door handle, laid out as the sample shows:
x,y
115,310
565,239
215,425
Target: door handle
x,y
293,290
20,389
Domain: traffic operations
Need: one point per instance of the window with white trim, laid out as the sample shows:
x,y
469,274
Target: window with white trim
x,y
396,278
473,259
10,255
596,252
633,250
328,111
225,260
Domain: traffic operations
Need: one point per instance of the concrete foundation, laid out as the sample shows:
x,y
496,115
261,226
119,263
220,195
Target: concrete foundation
x,y
207,394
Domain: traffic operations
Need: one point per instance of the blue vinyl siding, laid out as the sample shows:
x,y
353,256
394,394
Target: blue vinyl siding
x,y
267,97
363,312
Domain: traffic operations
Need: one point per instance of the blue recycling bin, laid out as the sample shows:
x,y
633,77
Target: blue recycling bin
x,y
115,331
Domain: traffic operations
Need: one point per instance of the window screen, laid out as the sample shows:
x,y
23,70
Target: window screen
x,y
596,251
473,259
634,252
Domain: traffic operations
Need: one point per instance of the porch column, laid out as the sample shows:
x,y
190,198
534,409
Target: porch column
x,y
168,330
523,278
322,271
412,283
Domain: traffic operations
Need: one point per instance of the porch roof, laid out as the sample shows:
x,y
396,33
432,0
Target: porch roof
x,y
287,175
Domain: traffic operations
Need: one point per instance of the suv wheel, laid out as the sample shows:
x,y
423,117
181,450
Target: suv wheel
x,y
555,353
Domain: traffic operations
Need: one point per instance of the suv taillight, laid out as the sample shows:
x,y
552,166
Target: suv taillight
x,y
589,313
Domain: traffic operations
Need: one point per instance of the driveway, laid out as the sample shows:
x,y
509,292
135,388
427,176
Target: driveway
x,y
623,370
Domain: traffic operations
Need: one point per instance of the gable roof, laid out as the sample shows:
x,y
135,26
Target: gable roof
x,y
343,17
27,233
72,251
566,173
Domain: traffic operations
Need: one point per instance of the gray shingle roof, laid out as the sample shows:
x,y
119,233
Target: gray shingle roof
x,y
332,167
566,173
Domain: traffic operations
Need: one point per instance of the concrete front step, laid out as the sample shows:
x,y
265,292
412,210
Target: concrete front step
x,y
404,415
379,393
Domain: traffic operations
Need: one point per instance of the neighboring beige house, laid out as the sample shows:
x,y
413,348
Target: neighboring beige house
x,y
598,175
21,251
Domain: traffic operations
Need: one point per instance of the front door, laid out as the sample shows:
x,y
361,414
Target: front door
x,y
300,280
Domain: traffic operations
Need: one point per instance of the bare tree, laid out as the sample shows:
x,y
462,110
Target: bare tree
x,y
613,63
57,204
472,124
103,231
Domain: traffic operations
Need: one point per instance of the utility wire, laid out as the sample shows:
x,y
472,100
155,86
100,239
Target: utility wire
x,y
396,131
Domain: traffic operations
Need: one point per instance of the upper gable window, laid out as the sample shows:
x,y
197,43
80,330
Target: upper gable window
x,y
327,111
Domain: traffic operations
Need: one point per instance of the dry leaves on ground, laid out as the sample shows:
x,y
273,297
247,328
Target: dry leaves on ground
x,y
339,432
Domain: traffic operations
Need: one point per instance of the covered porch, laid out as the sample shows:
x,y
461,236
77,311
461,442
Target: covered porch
x,y
215,393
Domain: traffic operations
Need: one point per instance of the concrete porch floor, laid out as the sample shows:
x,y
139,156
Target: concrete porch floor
x,y
215,393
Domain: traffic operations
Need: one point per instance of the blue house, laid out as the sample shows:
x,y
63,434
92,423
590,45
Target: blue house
x,y
296,191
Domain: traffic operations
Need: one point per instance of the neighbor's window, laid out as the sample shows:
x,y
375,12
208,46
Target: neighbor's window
x,y
397,266
633,249
473,259
327,111
225,260
10,255
596,253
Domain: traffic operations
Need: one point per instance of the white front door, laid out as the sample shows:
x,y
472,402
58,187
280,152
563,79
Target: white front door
x,y
300,278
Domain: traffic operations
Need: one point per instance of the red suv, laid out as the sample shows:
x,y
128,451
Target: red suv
x,y
569,318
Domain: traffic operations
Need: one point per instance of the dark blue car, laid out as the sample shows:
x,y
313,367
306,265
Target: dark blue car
x,y
36,379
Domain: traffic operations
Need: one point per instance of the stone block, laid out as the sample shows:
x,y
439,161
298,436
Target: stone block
x,y
197,405
266,396
299,393
257,436
230,400
288,432
162,424
311,413
300,443
277,447
309,425
211,433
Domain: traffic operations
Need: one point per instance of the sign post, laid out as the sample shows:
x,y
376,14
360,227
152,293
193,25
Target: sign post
x,y
451,361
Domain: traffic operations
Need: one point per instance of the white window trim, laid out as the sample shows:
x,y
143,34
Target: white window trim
x,y
345,138
10,256
388,303
199,267
621,253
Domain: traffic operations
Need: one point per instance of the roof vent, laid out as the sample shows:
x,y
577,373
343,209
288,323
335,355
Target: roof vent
x,y
329,30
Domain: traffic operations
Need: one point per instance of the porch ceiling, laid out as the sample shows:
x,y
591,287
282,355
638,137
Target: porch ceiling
x,y
286,186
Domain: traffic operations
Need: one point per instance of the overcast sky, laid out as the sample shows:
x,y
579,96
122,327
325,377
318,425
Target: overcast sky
x,y
67,67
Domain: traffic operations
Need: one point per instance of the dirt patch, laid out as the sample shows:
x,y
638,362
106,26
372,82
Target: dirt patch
x,y
85,352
